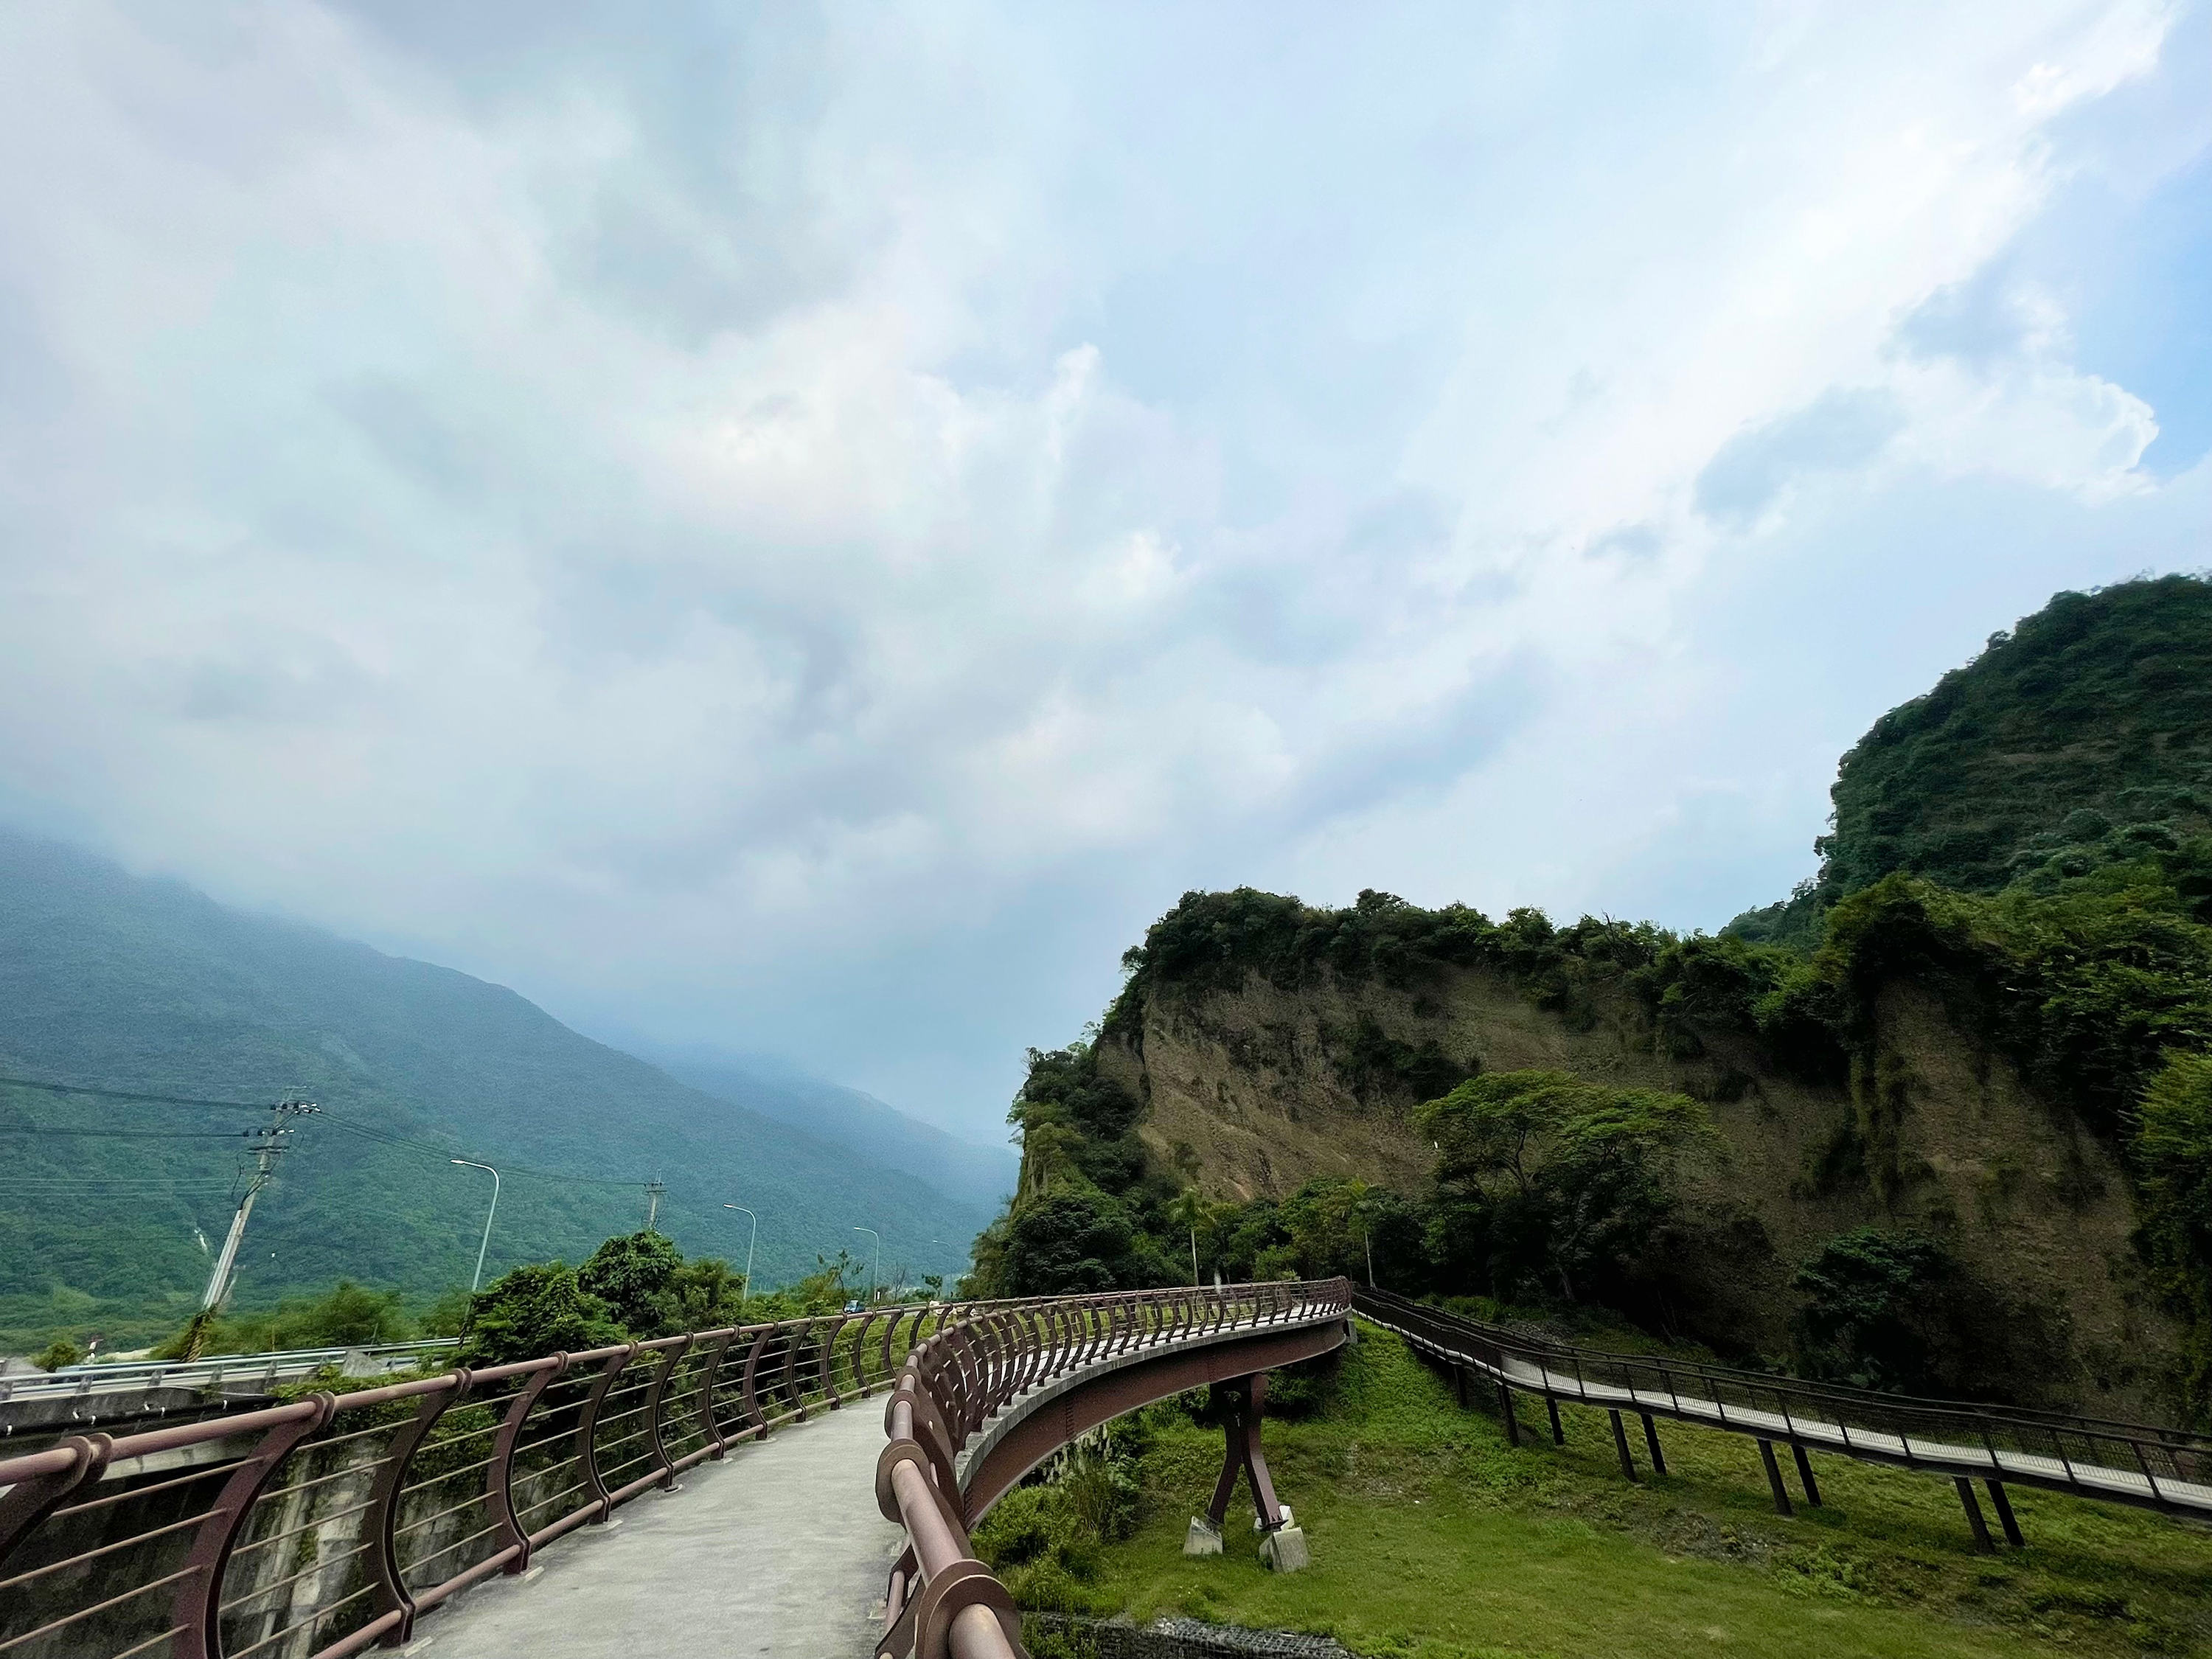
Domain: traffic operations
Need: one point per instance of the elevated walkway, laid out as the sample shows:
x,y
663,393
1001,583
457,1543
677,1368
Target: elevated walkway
x,y
777,1549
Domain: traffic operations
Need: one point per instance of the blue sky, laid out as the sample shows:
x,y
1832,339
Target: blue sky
x,y
805,530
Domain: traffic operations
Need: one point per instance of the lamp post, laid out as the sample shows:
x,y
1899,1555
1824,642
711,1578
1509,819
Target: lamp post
x,y
750,1240
467,1164
874,1263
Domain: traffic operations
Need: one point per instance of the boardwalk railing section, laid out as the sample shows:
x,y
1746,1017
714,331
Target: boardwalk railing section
x,y
326,1526
2163,1469
992,1362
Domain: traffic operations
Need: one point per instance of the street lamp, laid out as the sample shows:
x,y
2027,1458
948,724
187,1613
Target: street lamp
x,y
876,1262
466,1165
749,1239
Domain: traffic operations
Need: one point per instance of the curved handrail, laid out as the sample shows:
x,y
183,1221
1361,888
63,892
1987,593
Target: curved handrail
x,y
328,1525
2169,1470
982,1363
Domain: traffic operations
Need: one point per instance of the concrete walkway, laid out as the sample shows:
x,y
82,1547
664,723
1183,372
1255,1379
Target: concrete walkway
x,y
778,1549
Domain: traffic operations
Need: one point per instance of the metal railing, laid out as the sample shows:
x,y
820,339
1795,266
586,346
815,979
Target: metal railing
x,y
984,1363
260,1371
320,1528
2168,1470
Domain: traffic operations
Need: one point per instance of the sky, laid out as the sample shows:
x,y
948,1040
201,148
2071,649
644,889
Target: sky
x,y
803,530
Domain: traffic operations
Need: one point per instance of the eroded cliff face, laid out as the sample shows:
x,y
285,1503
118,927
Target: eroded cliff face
x,y
1253,1091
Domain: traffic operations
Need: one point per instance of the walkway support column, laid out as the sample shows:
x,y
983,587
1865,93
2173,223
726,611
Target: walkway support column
x,y
1805,1474
1282,1543
2004,1512
1782,1505
1974,1521
1620,1446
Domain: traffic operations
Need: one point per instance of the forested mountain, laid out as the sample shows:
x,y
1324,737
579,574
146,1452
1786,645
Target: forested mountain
x,y
125,984
2082,738
1943,1121
851,1119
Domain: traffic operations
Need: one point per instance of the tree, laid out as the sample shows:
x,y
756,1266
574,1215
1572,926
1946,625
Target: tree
x,y
706,1294
1071,1239
634,1274
2174,1166
1872,1314
1567,1179
536,1309
57,1353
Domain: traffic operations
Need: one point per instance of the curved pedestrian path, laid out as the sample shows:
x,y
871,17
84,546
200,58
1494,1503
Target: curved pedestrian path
x,y
777,1549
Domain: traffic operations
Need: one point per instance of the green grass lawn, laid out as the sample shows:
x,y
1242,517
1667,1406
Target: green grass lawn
x,y
1433,1538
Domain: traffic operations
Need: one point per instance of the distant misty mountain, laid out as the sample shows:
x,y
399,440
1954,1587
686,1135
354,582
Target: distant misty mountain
x,y
860,1122
123,983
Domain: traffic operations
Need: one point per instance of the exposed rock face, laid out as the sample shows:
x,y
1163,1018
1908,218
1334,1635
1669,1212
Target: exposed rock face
x,y
1253,1091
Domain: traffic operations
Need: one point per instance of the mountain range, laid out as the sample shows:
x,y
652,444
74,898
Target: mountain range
x,y
142,987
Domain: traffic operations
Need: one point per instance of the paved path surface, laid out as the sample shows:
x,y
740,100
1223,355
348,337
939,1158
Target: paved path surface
x,y
778,1549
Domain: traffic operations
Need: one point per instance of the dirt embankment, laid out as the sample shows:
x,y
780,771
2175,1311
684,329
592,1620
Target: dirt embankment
x,y
1252,1092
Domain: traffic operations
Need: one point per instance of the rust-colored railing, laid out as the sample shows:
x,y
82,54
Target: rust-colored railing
x,y
323,1526
2168,1470
990,1359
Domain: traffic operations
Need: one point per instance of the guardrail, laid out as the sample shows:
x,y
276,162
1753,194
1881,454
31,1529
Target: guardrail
x,y
957,1410
2168,1470
319,1528
263,1370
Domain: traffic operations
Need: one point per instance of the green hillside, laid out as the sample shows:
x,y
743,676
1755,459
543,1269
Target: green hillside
x,y
120,983
2081,738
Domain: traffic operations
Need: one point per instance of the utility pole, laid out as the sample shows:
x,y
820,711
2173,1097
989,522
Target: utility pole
x,y
269,1144
653,1188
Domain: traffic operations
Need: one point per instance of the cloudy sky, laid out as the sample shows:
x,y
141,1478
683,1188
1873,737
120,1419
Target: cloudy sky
x,y
803,530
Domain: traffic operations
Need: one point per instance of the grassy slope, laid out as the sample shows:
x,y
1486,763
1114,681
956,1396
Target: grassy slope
x,y
1434,1539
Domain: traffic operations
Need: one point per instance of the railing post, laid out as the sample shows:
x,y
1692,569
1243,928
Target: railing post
x,y
391,1594
197,1611
587,1450
791,1368
652,1398
754,1414
828,1364
499,1475
860,1350
707,1425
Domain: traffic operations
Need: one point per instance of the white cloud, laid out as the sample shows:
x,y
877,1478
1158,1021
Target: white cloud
x,y
682,524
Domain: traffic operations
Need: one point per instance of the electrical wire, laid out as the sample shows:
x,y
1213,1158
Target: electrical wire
x,y
131,1135
445,1154
389,1139
123,1094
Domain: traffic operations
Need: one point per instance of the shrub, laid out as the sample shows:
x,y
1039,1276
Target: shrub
x,y
1872,1314
536,1309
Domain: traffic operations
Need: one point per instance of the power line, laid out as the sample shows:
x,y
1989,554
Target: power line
x,y
445,1154
388,1138
128,1134
123,1094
